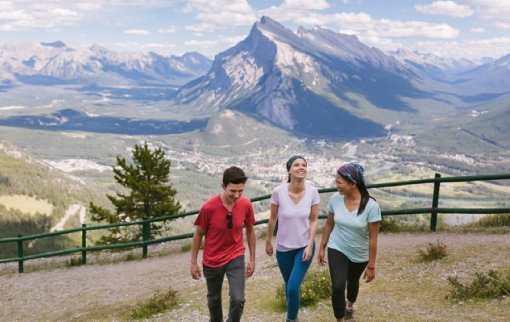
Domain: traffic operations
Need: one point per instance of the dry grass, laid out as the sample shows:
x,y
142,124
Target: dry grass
x,y
404,289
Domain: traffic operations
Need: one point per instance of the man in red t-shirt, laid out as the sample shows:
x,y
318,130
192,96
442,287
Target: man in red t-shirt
x,y
221,220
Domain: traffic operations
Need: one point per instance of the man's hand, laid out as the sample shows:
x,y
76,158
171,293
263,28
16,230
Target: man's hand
x,y
250,269
195,271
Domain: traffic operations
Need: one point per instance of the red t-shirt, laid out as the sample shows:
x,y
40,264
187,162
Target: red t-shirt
x,y
223,244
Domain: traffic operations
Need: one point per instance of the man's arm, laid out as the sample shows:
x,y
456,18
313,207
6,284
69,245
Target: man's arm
x,y
251,239
195,246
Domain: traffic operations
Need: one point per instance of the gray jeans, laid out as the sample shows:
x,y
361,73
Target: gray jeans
x,y
236,282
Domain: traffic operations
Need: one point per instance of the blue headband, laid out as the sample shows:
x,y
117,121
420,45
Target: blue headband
x,y
353,171
292,159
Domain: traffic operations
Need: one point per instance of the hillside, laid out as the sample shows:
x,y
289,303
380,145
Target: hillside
x,y
34,197
403,290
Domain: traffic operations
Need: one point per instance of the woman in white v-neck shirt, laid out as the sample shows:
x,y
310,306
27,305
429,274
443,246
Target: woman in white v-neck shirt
x,y
295,205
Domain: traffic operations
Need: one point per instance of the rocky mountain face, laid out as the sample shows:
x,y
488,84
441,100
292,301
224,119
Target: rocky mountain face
x,y
314,82
56,63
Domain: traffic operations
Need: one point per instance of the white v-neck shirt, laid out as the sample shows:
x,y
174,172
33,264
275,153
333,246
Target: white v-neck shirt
x,y
293,218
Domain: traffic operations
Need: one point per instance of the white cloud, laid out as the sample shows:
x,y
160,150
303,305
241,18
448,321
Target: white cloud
x,y
471,49
137,46
219,14
140,32
477,30
449,8
364,25
88,6
170,30
222,41
24,15
296,10
502,25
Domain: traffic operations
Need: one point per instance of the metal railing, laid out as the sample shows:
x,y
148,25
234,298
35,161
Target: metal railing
x,y
434,210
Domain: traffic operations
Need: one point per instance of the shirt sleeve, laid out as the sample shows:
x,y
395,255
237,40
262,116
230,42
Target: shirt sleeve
x,y
374,214
202,219
274,197
249,220
316,199
330,204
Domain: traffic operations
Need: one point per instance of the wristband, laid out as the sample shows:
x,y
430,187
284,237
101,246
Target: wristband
x,y
371,268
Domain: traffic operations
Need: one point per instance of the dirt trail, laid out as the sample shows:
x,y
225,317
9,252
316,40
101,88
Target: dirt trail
x,y
81,293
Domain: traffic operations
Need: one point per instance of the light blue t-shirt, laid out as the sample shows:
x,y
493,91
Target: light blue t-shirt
x,y
350,232
293,218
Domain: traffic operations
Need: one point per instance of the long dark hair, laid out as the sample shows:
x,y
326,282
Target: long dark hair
x,y
365,195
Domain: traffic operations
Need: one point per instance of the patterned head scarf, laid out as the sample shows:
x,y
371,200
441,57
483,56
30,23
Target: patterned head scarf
x,y
292,159
353,171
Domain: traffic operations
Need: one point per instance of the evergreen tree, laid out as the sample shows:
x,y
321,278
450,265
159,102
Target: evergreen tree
x,y
147,194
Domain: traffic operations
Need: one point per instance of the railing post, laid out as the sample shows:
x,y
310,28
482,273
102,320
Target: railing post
x,y
145,234
20,254
83,244
435,202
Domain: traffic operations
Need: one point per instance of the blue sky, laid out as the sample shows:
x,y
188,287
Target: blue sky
x,y
462,28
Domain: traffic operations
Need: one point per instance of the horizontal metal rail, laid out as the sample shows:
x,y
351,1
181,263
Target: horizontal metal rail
x,y
433,210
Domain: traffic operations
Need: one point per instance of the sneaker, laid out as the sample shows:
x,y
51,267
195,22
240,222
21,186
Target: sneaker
x,y
348,311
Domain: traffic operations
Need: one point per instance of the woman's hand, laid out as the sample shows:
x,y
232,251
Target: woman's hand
x,y
369,274
308,253
269,248
321,257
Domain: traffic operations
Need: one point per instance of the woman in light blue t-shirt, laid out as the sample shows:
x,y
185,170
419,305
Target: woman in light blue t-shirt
x,y
295,205
350,233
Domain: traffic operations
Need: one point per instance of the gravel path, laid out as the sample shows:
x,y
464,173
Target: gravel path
x,y
101,291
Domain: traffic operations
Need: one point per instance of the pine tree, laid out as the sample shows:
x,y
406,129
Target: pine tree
x,y
147,194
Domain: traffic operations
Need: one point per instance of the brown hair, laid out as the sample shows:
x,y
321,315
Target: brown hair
x,y
234,175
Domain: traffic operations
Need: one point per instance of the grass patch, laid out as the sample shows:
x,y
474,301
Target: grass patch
x,y
433,252
492,285
497,220
186,248
156,304
392,225
73,261
27,204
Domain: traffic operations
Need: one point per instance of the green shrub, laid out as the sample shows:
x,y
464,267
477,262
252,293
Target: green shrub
x,y
433,252
315,287
498,220
157,304
392,225
389,225
485,286
73,261
131,257
186,247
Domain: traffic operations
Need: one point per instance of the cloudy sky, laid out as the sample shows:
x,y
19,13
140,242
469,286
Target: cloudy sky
x,y
462,28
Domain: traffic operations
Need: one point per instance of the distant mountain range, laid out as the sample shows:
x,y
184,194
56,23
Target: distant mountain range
x,y
316,83
56,63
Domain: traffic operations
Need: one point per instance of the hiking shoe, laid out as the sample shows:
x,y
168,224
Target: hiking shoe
x,y
348,311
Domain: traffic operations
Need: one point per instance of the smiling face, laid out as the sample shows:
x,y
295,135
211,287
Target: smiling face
x,y
343,185
232,191
298,169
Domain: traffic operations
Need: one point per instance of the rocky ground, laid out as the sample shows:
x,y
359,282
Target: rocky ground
x,y
404,289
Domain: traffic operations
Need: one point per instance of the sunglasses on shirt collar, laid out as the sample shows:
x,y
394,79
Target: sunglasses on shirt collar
x,y
229,220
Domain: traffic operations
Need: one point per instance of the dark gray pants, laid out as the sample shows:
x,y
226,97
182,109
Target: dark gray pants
x,y
235,270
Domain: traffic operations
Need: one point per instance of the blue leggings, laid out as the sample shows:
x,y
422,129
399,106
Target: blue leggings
x,y
293,270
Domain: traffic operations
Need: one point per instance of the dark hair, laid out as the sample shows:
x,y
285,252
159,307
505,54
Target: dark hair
x,y
365,195
234,175
291,161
